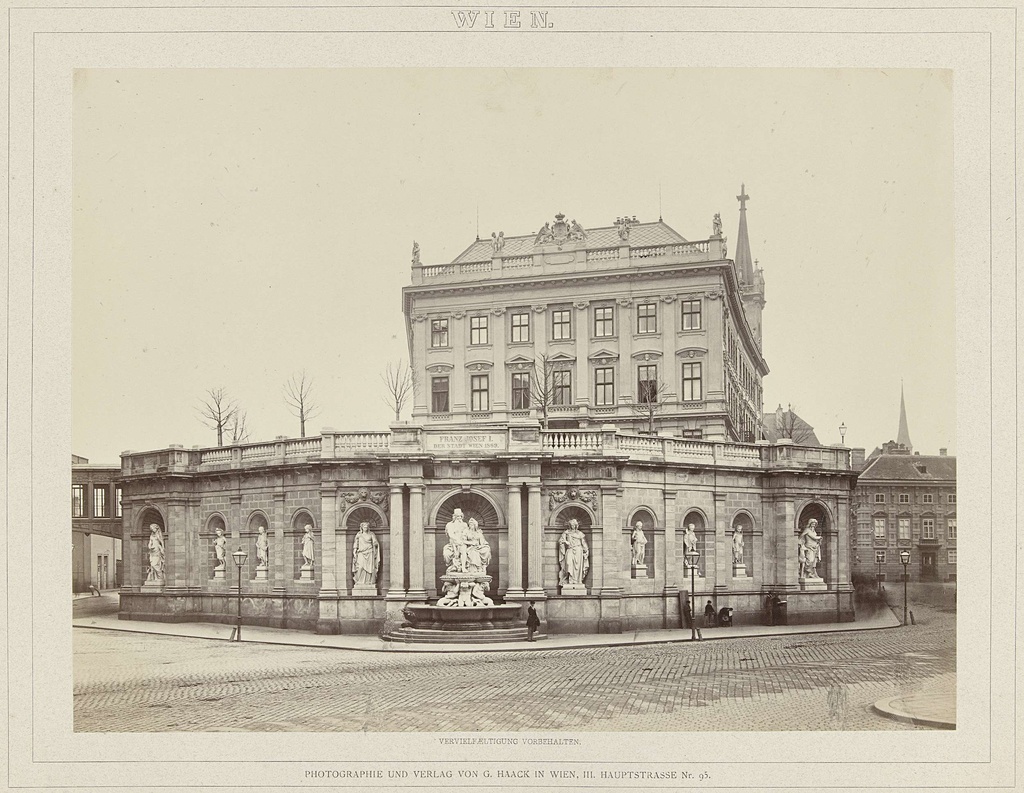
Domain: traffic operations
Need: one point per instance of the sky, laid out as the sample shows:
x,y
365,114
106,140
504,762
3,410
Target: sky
x,y
234,227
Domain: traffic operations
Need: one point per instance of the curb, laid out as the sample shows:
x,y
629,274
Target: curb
x,y
401,647
886,708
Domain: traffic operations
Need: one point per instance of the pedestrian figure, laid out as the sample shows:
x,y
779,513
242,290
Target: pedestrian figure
x,y
688,614
532,622
709,615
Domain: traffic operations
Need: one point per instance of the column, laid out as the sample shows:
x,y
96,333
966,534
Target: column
x,y
535,528
515,542
396,591
416,590
234,530
342,561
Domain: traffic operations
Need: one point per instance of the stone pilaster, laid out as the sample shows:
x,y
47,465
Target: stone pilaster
x,y
328,560
282,560
515,542
668,552
396,532
610,574
535,549
416,589
721,564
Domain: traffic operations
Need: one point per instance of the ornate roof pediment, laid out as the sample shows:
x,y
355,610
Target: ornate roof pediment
x,y
479,366
646,355
440,367
692,352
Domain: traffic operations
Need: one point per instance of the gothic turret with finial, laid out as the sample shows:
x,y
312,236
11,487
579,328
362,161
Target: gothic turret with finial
x,y
751,280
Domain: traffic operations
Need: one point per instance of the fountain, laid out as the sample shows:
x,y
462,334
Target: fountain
x,y
464,613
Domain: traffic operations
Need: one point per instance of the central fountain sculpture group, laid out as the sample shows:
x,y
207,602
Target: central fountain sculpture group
x,y
467,554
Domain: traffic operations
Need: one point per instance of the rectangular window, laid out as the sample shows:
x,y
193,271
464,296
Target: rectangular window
x,y
520,390
604,324
926,498
879,528
478,330
904,498
647,383
561,324
692,382
604,386
439,395
561,382
928,529
904,528
647,318
520,327
951,556
951,528
479,392
692,434
879,557
99,501
691,314
951,498
439,333
879,498
78,501
117,501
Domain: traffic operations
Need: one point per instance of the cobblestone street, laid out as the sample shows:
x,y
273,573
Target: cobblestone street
x,y
137,682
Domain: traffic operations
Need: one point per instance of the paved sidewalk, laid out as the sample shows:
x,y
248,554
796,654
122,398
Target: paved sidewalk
x,y
205,630
933,707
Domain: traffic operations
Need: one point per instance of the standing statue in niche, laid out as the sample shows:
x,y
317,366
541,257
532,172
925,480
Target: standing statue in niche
x,y
809,550
307,547
639,542
737,544
365,556
573,555
156,555
219,548
455,551
262,548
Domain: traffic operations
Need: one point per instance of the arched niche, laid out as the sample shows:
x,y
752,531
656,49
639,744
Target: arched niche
x,y
214,522
149,516
705,537
745,521
478,506
586,518
473,504
815,510
645,516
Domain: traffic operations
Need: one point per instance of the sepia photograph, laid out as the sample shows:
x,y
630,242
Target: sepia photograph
x,y
624,397
517,398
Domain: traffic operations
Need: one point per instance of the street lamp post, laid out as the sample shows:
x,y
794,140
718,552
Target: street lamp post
x,y
691,557
239,556
905,559
842,433
878,575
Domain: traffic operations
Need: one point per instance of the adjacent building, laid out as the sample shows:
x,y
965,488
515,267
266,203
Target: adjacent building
x,y
96,521
906,501
609,376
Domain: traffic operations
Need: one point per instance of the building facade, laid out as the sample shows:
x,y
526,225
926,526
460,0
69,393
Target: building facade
x,y
906,501
96,525
607,376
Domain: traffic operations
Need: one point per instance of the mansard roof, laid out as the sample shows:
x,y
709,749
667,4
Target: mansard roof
x,y
911,467
640,235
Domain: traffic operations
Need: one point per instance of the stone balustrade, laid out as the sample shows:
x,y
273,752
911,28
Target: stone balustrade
x,y
607,441
545,261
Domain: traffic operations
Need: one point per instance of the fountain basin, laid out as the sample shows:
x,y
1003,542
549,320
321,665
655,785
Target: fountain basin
x,y
461,618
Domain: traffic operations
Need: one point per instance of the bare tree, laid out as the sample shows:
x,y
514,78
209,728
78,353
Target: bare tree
x,y
298,395
543,386
398,382
647,403
216,410
237,428
789,425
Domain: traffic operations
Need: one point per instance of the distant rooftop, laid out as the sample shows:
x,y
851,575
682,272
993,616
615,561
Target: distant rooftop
x,y
566,231
903,466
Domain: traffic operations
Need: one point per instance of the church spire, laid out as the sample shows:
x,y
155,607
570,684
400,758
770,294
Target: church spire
x,y
903,437
744,261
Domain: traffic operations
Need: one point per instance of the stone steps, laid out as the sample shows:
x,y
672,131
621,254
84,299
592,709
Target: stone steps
x,y
413,635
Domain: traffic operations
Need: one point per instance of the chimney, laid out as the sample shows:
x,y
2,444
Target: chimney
x,y
942,452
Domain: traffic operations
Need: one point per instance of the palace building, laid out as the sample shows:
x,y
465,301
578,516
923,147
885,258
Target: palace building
x,y
608,375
